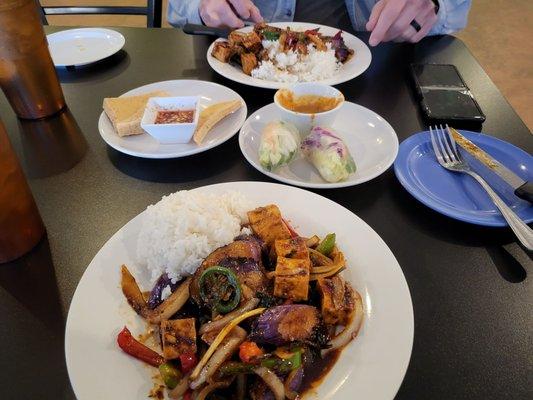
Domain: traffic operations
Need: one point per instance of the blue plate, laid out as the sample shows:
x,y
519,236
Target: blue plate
x,y
458,195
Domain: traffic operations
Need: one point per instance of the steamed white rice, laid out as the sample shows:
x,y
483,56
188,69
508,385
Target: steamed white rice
x,y
183,228
293,67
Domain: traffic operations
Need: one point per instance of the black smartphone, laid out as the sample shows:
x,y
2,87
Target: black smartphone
x,y
444,96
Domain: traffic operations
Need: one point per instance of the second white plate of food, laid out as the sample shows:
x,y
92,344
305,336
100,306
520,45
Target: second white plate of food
x,y
355,66
146,146
83,46
371,140
372,366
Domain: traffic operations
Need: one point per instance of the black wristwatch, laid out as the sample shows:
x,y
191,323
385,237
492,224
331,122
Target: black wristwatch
x,y
437,6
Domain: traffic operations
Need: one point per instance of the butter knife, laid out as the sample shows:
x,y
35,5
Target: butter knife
x,y
522,189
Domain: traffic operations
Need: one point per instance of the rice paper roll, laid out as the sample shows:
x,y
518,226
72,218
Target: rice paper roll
x,y
279,144
329,154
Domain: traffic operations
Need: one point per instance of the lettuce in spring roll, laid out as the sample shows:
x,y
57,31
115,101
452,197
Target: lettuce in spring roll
x,y
328,154
279,144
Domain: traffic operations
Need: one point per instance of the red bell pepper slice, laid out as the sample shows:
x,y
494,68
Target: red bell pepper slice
x,y
188,362
138,350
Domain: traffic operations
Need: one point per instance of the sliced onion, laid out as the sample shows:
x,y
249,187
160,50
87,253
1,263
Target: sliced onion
x,y
219,356
272,381
351,330
220,337
220,323
180,389
172,304
209,388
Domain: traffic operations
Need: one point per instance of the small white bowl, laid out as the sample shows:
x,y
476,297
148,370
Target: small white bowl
x,y
303,121
170,133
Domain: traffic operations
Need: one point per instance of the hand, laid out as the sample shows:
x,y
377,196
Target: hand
x,y
228,13
391,20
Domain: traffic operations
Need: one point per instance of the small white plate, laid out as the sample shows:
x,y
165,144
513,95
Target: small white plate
x,y
352,68
146,146
371,367
83,46
372,142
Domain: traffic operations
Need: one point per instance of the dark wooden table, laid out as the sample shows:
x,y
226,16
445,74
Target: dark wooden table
x,y
471,295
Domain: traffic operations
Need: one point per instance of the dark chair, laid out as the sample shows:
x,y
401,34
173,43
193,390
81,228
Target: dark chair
x,y
152,11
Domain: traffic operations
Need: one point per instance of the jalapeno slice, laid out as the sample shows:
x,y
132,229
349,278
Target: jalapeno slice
x,y
220,288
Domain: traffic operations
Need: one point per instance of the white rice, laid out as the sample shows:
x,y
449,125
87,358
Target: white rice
x,y
293,67
185,227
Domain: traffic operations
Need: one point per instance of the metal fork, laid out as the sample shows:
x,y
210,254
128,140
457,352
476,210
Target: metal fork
x,y
450,158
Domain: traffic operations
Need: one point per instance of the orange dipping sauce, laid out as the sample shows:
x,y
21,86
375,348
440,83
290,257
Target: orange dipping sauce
x,y
308,103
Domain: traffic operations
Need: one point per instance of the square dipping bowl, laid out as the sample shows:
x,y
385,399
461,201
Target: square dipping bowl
x,y
172,133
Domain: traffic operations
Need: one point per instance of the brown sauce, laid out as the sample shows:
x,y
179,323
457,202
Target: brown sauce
x,y
174,117
308,103
315,372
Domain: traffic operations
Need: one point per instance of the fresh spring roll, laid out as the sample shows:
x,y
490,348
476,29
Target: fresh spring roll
x,y
279,144
328,154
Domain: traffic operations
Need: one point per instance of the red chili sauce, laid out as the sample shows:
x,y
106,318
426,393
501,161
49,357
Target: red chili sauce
x,y
174,117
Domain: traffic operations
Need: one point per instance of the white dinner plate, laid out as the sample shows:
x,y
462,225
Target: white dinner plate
x,y
372,142
371,367
146,146
352,68
83,46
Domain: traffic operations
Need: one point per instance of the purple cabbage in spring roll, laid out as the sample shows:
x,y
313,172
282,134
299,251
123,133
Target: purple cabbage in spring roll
x,y
328,154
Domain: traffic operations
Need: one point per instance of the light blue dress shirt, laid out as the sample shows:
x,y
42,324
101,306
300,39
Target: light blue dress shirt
x,y
452,15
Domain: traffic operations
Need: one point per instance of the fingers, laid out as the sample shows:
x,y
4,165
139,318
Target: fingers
x,y
427,24
374,15
391,20
246,10
255,14
218,13
390,12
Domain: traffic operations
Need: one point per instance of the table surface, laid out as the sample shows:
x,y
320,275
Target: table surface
x,y
471,298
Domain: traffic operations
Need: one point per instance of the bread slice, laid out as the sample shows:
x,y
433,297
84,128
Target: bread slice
x,y
212,115
126,112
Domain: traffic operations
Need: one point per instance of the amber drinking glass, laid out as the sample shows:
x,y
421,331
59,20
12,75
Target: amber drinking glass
x,y
27,74
21,226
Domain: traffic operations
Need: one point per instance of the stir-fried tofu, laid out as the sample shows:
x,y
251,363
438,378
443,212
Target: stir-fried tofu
x,y
178,336
266,222
248,62
222,51
291,278
250,41
337,300
291,248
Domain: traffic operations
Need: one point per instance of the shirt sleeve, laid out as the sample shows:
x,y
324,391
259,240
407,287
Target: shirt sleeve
x,y
452,16
181,12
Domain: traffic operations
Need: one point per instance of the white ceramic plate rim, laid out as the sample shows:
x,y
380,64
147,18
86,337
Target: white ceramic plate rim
x,y
362,51
375,362
243,111
84,61
324,185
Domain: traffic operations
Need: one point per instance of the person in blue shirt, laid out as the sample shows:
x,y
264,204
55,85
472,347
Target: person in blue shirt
x,y
388,20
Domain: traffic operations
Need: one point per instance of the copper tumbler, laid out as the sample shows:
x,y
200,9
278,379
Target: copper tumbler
x,y
21,226
27,73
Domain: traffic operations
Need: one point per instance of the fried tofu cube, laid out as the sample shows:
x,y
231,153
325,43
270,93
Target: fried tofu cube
x,y
337,300
252,42
222,51
291,248
248,62
291,278
236,38
266,222
178,337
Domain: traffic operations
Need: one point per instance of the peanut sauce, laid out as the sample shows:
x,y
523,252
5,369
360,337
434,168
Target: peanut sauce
x,y
174,117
